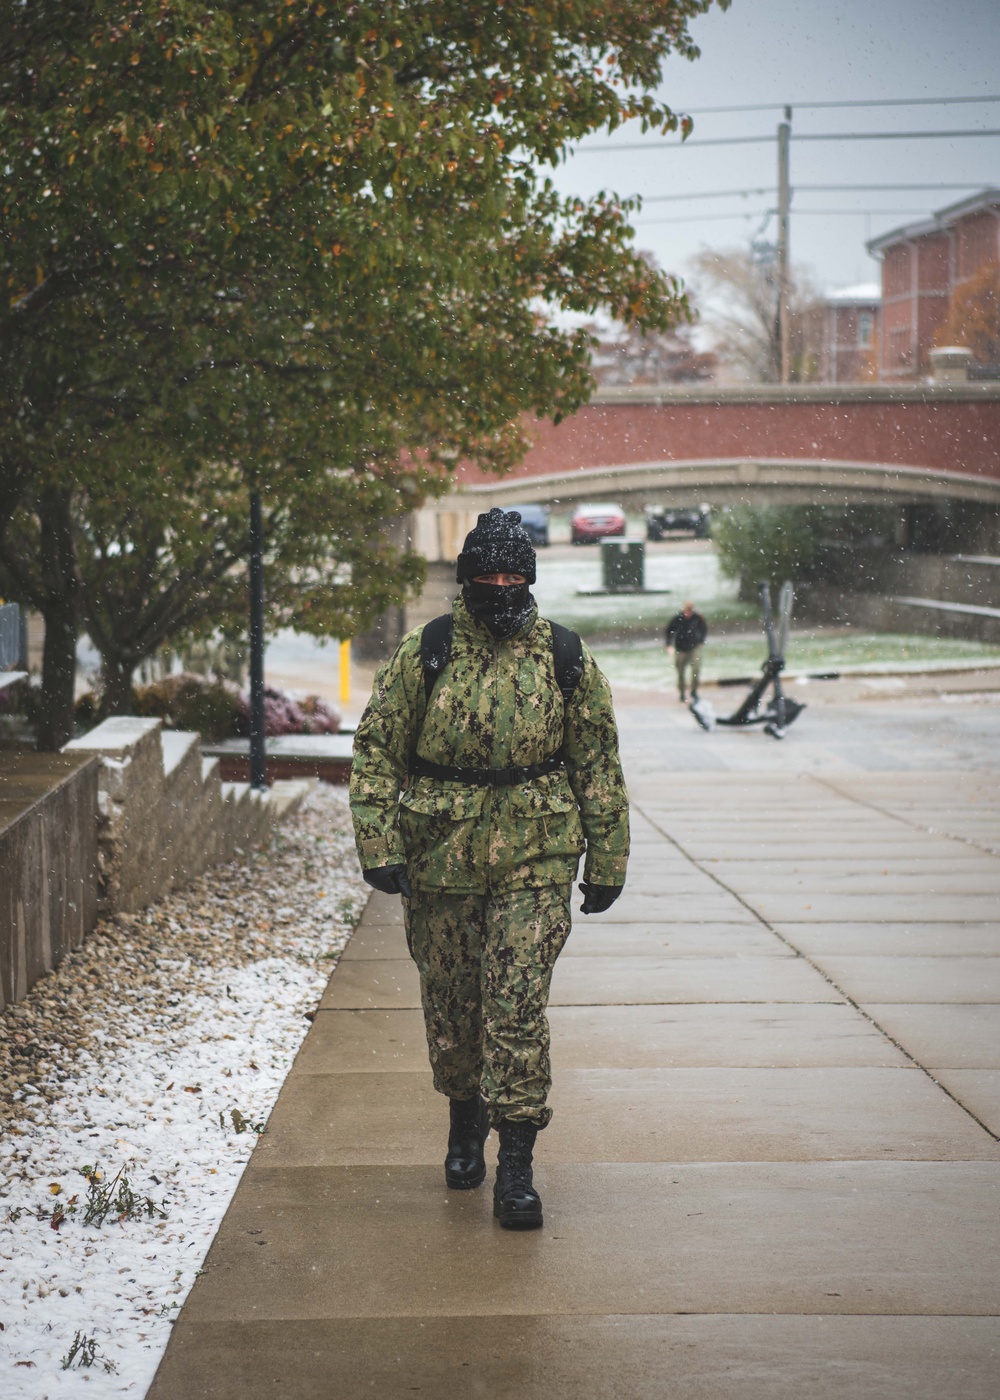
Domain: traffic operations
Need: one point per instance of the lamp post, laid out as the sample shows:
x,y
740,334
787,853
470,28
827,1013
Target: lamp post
x,y
784,202
258,756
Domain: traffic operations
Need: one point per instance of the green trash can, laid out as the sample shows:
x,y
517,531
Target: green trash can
x,y
624,565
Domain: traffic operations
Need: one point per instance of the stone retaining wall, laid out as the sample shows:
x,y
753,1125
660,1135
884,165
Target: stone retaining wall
x,y
119,818
966,590
874,612
48,863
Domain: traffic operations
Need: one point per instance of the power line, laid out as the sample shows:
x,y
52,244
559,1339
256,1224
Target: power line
x,y
936,185
813,189
706,218
891,135
796,136
816,106
759,214
847,213
708,194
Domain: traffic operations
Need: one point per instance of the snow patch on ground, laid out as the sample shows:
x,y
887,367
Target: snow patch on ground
x,y
152,1091
683,575
645,664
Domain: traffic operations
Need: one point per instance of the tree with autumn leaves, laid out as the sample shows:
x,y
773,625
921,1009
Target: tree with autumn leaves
x,y
294,247
973,319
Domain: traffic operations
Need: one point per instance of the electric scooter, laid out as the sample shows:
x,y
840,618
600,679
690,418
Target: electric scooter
x,y
780,711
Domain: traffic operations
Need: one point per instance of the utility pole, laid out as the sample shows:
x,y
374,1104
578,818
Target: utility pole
x,y
784,200
258,756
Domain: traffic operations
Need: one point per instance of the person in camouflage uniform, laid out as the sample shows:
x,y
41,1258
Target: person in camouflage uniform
x,y
461,805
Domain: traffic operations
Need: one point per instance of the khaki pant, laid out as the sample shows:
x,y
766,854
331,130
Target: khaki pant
x,y
485,964
685,660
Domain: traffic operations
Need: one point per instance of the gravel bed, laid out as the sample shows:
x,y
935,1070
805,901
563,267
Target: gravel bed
x,y
133,1082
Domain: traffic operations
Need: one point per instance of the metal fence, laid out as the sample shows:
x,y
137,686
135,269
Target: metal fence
x,y
11,642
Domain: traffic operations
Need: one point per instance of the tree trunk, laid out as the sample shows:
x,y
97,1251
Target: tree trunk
x,y
116,687
58,603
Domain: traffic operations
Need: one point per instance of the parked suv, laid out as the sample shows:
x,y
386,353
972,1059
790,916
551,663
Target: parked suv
x,y
535,521
660,521
596,523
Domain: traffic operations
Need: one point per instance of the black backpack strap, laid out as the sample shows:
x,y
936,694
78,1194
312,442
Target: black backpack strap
x,y
435,648
567,655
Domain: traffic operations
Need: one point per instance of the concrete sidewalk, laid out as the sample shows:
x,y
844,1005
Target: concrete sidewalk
x,y
773,1170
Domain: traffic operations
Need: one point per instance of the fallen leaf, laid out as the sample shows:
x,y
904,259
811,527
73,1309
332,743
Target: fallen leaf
x,y
192,1088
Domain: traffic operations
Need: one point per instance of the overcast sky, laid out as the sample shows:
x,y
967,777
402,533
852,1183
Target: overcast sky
x,y
797,52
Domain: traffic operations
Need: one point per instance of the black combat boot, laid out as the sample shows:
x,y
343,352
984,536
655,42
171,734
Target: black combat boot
x,y
465,1165
516,1204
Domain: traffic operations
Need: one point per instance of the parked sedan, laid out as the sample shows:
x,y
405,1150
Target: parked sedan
x,y
535,521
596,523
661,521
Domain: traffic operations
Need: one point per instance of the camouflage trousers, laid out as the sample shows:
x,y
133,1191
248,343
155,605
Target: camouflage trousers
x,y
485,963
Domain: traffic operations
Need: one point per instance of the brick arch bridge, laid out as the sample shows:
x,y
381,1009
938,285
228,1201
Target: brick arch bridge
x,y
933,450
824,444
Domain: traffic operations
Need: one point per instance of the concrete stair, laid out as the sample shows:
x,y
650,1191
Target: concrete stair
x,y
165,815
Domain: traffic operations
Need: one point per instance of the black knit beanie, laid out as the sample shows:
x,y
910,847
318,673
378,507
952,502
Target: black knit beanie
x,y
498,545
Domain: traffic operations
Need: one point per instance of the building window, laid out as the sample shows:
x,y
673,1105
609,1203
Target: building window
x,y
865,324
900,349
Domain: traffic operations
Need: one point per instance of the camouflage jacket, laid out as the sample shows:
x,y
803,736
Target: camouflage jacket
x,y
495,705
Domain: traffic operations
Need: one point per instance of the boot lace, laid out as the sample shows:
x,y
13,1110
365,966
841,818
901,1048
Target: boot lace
x,y
517,1161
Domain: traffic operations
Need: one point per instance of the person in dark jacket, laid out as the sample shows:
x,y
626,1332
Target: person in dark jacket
x,y
685,638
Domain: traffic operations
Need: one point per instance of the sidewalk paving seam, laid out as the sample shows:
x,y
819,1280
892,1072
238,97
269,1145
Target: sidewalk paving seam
x,y
895,816
637,806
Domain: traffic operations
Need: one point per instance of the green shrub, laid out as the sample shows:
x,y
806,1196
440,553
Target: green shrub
x,y
766,542
187,701
845,547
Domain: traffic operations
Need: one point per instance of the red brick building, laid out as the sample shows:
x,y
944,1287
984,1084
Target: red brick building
x,y
850,334
922,264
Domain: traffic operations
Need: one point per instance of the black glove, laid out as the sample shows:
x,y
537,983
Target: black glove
x,y
597,898
390,879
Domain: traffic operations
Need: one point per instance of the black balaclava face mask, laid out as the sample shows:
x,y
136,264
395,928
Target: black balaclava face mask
x,y
498,545
502,607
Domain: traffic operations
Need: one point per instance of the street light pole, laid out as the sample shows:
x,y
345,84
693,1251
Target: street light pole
x,y
784,201
258,756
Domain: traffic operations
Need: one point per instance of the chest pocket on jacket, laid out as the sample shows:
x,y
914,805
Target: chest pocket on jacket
x,y
527,678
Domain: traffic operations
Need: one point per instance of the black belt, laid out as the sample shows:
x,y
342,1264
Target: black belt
x,y
484,777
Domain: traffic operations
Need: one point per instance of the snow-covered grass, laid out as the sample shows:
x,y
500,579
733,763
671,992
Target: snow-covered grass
x,y
645,664
685,572
155,1051
691,570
